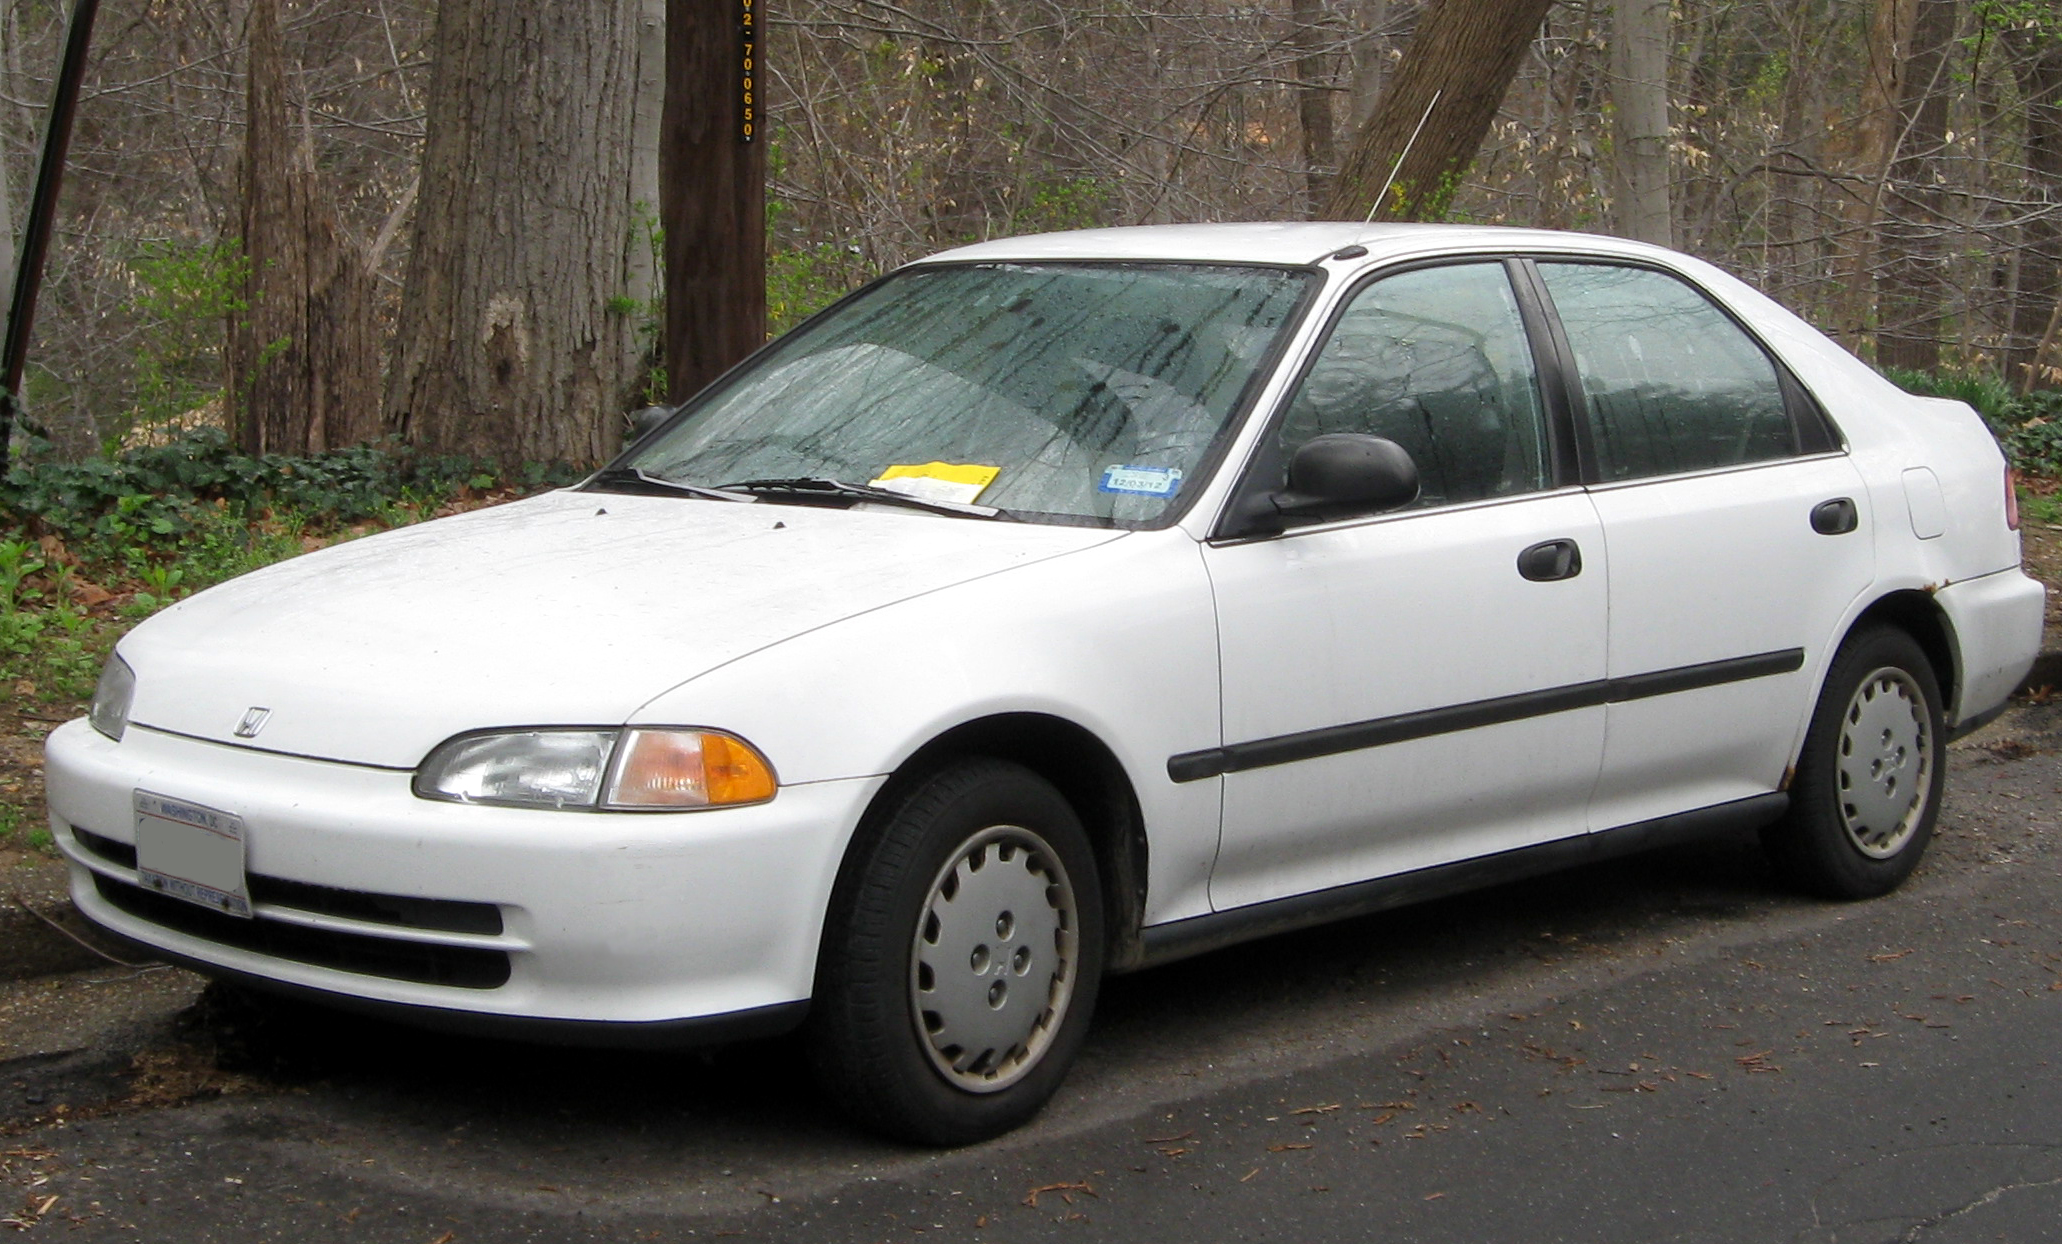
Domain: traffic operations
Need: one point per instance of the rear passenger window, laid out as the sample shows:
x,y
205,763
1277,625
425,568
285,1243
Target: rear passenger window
x,y
1435,360
1671,384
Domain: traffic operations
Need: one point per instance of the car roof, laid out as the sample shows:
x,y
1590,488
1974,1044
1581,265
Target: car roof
x,y
1285,242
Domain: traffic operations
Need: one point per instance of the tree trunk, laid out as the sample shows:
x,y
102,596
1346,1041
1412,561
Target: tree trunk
x,y
1313,100
640,260
712,191
513,335
1911,283
1889,34
2039,69
1370,57
9,39
1464,55
1639,86
303,358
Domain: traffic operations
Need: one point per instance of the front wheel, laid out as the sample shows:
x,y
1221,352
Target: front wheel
x,y
961,958
1867,788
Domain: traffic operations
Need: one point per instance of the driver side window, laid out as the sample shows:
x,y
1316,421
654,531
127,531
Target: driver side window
x,y
1437,361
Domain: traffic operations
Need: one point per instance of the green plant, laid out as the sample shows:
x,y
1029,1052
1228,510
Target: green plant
x,y
185,290
805,280
1069,203
16,565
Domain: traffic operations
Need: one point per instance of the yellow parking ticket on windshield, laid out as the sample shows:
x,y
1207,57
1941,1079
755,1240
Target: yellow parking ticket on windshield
x,y
938,481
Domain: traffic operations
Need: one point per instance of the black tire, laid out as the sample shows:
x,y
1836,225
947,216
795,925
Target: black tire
x,y
1867,788
886,1030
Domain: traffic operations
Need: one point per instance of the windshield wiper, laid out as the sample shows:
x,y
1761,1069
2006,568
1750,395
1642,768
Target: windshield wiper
x,y
817,485
633,479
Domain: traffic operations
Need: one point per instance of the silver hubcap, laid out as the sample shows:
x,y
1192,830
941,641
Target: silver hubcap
x,y
992,967
1886,763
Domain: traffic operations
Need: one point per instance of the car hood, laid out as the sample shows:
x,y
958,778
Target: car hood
x,y
570,608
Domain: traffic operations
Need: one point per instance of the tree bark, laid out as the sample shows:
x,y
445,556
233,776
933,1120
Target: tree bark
x,y
2039,69
1639,86
9,38
1370,56
1876,135
1313,100
1464,55
1911,283
640,260
514,334
302,355
712,192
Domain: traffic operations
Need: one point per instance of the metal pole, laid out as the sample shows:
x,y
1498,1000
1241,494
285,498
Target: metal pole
x,y
35,236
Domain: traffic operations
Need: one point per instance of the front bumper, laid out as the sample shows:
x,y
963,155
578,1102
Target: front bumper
x,y
465,915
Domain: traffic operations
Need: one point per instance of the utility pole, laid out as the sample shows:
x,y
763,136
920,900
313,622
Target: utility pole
x,y
35,235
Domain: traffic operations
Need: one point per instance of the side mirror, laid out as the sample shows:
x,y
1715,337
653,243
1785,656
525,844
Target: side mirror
x,y
1345,473
1337,475
643,421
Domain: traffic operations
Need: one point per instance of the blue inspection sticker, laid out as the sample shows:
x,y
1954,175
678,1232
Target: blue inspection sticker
x,y
1142,481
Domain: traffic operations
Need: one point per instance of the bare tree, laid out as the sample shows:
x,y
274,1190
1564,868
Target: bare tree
x,y
1314,100
1639,88
1451,82
2038,297
1911,283
513,334
712,190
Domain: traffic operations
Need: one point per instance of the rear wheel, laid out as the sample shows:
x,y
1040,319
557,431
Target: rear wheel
x,y
1867,788
961,958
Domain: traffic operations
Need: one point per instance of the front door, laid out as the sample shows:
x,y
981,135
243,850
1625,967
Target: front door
x,y
1400,691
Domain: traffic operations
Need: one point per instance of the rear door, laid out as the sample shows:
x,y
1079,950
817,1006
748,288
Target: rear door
x,y
1737,534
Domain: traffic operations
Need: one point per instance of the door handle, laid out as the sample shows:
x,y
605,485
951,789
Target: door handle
x,y
1836,517
1550,560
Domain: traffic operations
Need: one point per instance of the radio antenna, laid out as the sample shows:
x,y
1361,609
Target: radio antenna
x,y
1401,156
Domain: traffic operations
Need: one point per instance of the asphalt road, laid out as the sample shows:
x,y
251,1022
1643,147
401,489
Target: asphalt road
x,y
1666,1048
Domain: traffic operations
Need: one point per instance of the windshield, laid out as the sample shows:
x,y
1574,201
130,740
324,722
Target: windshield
x,y
1067,392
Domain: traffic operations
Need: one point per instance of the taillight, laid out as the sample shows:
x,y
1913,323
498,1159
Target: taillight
x,y
2011,498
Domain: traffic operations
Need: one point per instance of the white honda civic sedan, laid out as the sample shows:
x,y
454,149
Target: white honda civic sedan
x,y
1064,605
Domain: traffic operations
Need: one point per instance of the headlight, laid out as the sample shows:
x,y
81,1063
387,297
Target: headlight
x,y
110,713
637,768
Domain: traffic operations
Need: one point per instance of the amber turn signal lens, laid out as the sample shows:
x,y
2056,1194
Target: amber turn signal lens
x,y
687,769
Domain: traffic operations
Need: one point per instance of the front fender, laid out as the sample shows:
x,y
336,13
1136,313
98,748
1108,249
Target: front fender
x,y
1120,640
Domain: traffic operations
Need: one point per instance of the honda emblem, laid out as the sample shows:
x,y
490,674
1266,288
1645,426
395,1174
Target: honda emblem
x,y
253,721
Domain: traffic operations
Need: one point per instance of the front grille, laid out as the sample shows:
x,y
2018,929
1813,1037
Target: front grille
x,y
463,967
438,915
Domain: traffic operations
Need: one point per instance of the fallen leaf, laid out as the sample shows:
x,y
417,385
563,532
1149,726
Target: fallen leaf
x,y
1168,1140
445,1238
1285,1148
1887,958
1316,1109
1031,1197
1435,1196
1249,1174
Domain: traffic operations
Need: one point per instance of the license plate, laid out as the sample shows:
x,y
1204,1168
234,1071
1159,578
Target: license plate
x,y
191,852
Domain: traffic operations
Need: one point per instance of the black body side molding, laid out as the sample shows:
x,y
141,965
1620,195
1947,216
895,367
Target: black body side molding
x,y
1330,740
